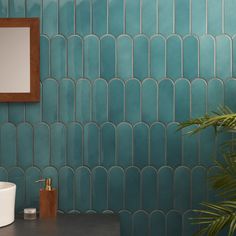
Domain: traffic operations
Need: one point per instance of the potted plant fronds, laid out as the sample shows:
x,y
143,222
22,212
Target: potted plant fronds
x,y
214,217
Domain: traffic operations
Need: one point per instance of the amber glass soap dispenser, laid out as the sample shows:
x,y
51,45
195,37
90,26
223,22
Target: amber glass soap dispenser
x,y
48,200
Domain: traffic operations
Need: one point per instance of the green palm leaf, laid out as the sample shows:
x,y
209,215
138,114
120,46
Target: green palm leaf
x,y
215,217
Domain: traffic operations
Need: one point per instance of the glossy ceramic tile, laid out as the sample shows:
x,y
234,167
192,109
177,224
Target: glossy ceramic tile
x,y
108,57
24,147
116,11
75,57
83,17
182,17
41,139
99,9
158,57
116,78
141,57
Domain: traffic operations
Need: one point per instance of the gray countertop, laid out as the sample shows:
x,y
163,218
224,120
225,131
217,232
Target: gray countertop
x,y
65,225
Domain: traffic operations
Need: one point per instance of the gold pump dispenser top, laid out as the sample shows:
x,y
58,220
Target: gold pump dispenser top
x,y
48,183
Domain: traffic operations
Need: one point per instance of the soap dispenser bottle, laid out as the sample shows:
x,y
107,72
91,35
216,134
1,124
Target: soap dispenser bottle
x,y
47,200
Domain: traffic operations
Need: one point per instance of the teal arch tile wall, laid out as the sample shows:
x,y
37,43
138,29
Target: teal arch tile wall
x,y
116,78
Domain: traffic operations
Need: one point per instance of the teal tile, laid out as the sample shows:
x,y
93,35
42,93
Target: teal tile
x,y
125,223
67,100
58,57
234,57
33,110
198,98
182,100
165,195
58,145
8,145
158,57
221,138
207,53
182,189
211,193
3,112
100,101
149,17
214,17
141,57
141,145
116,100
174,57
230,86
91,145
16,112
74,144
149,189
91,57
215,95
50,101
174,223
157,145
4,8
83,100
124,144
229,17
174,145
116,11
51,172
75,57
34,9
182,19
166,101
17,176
132,189
24,145
157,223
31,188
188,228
140,223
50,17
124,57
82,189
133,101
149,101
190,148
41,145
207,147
198,17
44,57
165,17
108,57
16,8
132,17
66,17
66,189
3,174
199,178
223,57
99,188
108,145
83,17
99,17
116,189
190,57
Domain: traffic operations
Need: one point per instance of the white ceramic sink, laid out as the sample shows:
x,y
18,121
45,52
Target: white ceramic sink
x,y
7,203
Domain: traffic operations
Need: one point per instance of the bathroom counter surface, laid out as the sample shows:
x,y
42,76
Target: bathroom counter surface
x,y
65,225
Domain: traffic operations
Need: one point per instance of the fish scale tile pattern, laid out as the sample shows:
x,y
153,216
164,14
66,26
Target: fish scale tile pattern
x,y
116,78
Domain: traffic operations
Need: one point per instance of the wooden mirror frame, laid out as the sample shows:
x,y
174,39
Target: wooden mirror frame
x,y
34,94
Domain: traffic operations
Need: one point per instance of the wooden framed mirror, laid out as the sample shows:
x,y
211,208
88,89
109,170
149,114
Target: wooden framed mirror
x,y
19,60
